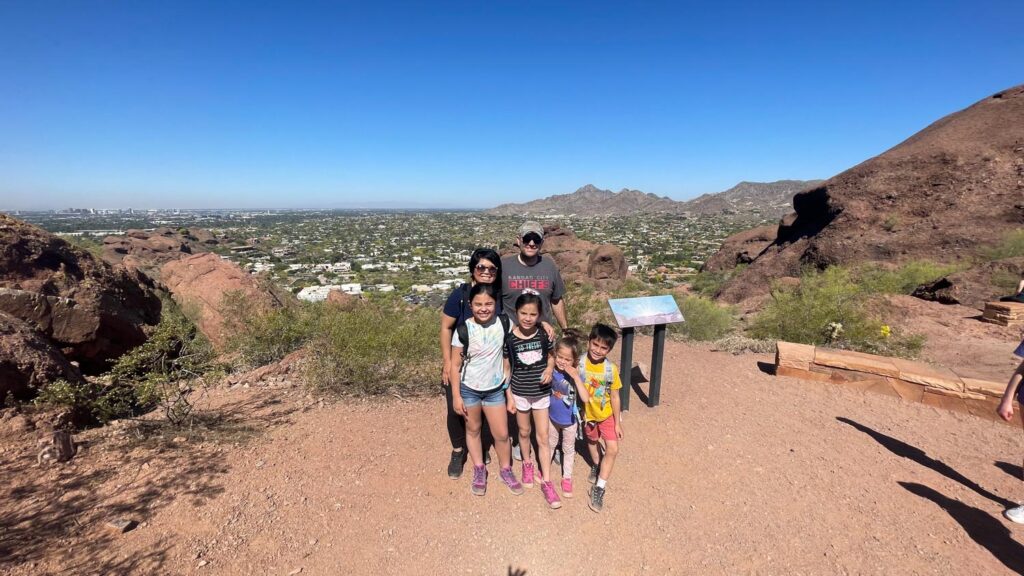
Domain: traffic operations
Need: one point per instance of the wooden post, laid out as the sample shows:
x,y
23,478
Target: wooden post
x,y
626,367
656,360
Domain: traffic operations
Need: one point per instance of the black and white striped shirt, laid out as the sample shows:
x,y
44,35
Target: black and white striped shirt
x,y
529,360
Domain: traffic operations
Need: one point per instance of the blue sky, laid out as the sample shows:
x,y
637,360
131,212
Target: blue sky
x,y
335,104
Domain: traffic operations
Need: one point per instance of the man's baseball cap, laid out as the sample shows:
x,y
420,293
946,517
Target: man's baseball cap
x,y
531,227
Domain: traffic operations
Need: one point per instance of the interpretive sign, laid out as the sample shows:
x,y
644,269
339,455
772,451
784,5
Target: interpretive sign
x,y
645,311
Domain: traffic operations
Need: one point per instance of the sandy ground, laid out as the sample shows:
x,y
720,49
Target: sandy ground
x,y
736,471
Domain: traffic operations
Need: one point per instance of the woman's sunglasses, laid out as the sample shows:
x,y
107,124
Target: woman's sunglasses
x,y
485,269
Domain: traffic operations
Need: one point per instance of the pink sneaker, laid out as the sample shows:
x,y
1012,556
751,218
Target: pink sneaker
x,y
528,474
567,487
509,478
550,495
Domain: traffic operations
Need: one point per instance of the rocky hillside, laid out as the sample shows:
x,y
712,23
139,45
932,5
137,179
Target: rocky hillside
x,y
746,197
943,194
62,311
591,201
770,198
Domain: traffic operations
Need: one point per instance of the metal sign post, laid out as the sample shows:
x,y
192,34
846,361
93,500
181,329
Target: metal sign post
x,y
646,311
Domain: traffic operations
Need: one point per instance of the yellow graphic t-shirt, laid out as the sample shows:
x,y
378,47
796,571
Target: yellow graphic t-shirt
x,y
599,408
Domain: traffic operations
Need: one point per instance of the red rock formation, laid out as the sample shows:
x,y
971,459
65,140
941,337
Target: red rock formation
x,y
93,312
201,284
948,190
29,361
741,248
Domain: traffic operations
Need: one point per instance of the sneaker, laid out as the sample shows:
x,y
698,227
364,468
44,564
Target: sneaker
x,y
596,499
509,478
1015,515
517,454
479,486
487,458
528,474
592,477
550,496
557,457
457,462
567,487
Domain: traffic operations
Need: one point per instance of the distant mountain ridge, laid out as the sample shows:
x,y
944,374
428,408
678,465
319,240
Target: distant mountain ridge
x,y
771,198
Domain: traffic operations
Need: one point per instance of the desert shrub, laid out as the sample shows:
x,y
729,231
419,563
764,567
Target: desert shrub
x,y
377,347
738,344
260,337
165,370
162,372
707,284
1005,280
1011,246
830,308
704,320
901,280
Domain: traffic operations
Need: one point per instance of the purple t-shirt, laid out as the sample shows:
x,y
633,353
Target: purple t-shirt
x,y
560,411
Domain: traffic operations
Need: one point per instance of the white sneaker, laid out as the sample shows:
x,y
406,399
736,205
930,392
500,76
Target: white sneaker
x,y
1015,515
516,452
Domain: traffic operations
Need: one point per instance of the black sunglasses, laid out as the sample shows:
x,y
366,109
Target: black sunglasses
x,y
533,238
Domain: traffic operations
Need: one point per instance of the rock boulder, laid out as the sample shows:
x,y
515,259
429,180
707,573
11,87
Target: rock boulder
x,y
204,286
81,305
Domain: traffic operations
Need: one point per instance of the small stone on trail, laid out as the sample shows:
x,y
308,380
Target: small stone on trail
x,y
122,525
202,563
178,439
296,571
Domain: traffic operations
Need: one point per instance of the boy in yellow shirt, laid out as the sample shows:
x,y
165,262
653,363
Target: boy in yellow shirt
x,y
602,412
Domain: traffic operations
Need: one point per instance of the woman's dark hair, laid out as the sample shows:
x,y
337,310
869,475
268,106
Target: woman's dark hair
x,y
486,254
487,289
527,298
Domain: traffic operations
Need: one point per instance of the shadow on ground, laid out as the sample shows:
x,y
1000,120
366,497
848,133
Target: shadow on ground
x,y
58,513
987,531
902,449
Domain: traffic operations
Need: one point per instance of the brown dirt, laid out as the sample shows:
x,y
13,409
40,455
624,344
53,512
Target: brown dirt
x,y
736,472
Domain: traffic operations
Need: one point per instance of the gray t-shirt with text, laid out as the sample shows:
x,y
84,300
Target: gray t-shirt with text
x,y
542,279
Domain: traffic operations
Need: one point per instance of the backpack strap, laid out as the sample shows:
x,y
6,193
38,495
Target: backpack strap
x,y
463,301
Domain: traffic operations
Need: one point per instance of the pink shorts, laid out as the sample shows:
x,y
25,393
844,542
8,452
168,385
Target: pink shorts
x,y
603,429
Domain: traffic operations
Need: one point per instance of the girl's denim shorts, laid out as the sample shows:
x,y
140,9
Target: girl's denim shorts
x,y
470,397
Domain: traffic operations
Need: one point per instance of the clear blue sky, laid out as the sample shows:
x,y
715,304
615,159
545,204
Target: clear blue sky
x,y
335,104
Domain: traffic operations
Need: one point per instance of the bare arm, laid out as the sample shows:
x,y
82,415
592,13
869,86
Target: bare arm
x,y
574,373
1020,286
1005,409
558,309
617,413
447,329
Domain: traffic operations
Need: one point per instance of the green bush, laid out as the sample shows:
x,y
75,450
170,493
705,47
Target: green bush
x,y
901,280
707,284
375,348
830,308
704,320
264,336
158,373
1011,246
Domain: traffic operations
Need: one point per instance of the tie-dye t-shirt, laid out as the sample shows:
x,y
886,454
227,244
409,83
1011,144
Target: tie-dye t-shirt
x,y
484,370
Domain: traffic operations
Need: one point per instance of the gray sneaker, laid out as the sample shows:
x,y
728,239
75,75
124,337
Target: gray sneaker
x,y
557,457
596,499
592,477
517,454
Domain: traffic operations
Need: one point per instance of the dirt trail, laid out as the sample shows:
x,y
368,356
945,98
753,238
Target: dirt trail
x,y
736,472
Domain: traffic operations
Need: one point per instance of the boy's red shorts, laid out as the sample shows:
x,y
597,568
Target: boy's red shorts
x,y
603,429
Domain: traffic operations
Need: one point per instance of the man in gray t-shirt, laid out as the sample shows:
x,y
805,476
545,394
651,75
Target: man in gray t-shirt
x,y
528,271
